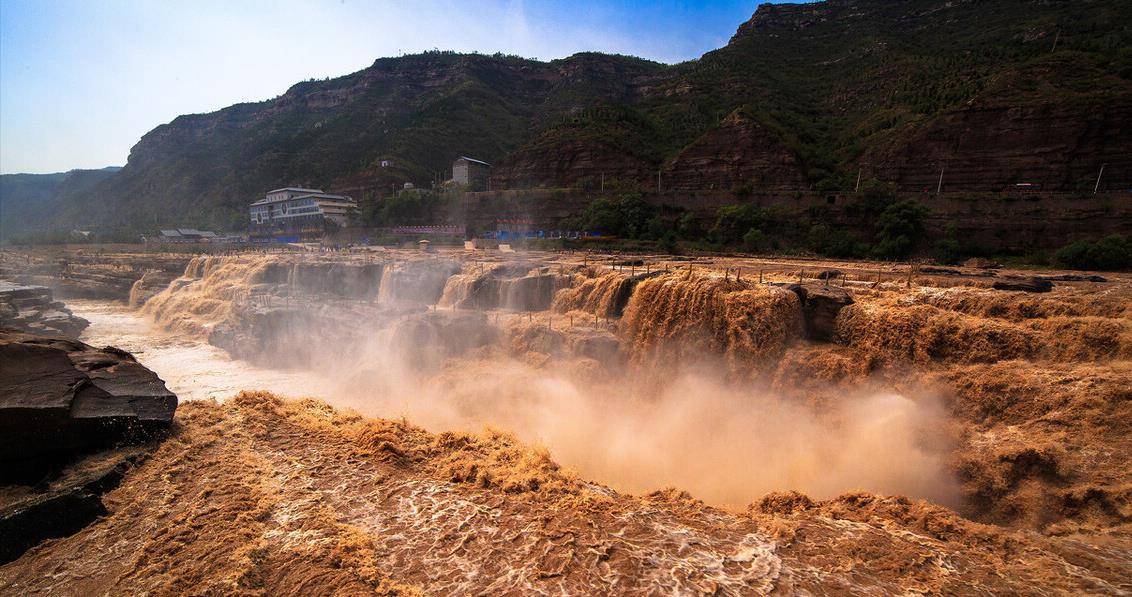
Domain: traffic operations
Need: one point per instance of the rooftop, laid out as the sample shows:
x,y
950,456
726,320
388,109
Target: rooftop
x,y
194,232
473,160
296,189
315,194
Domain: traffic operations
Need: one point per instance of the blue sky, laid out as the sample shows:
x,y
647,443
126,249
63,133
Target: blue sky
x,y
81,81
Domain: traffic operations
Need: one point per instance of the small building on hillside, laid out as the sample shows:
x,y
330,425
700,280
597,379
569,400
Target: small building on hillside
x,y
470,173
295,211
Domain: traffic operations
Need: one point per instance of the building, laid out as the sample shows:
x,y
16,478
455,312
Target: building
x,y
294,211
185,235
470,173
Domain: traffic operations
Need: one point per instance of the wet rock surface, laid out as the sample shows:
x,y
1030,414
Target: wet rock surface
x,y
63,503
1034,428
427,339
60,398
78,274
820,307
32,309
1030,284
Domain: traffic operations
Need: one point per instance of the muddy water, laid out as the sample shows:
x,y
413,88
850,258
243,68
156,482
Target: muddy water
x,y
727,445
191,369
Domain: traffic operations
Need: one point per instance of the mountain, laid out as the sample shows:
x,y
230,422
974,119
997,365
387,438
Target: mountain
x,y
27,199
990,93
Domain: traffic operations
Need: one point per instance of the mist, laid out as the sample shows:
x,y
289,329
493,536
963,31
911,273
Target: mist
x,y
637,413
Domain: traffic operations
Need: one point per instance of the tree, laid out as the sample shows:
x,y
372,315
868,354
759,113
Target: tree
x,y
688,226
754,240
1113,252
949,250
627,216
899,229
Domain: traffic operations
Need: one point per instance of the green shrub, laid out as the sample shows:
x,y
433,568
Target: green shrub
x,y
626,216
754,240
948,249
899,229
734,221
688,226
1113,252
831,242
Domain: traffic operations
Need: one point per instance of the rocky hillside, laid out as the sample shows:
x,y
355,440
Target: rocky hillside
x,y
991,93
26,199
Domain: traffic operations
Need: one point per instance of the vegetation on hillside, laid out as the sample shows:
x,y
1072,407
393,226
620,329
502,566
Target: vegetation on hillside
x,y
838,84
1113,252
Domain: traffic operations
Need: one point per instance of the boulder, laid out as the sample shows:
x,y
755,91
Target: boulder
x,y
60,398
981,263
31,309
62,504
820,306
1024,284
943,271
427,339
1074,278
150,284
828,274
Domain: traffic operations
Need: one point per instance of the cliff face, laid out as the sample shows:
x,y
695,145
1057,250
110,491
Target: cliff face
x,y
991,148
996,92
569,163
741,151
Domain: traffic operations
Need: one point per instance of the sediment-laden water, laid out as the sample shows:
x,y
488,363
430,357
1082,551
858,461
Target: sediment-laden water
x,y
532,426
191,368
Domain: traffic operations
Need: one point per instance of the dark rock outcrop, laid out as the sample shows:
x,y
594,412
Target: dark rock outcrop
x,y
83,274
60,398
1025,284
63,504
828,274
820,306
1074,278
426,340
32,309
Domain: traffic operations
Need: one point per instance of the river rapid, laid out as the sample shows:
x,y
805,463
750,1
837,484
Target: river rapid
x,y
191,369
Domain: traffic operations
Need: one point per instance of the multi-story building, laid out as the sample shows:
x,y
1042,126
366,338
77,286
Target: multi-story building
x,y
470,173
298,211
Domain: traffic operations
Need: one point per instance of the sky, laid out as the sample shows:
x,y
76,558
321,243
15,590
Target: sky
x,y
82,80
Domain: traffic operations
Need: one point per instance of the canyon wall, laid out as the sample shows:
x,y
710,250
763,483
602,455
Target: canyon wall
x,y
799,98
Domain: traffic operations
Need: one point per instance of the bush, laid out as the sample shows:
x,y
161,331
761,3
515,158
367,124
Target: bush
x,y
656,228
949,250
754,240
414,206
625,216
1113,252
734,221
688,226
899,229
873,198
823,240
